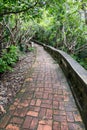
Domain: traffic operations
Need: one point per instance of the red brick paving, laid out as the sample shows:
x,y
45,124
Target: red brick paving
x,y
45,101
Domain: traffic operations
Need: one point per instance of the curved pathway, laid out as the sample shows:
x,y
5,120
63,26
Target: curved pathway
x,y
45,101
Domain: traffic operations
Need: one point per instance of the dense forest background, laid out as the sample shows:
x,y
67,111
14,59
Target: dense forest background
x,y
59,23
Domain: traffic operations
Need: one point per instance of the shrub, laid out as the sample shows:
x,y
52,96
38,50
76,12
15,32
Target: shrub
x,y
9,57
4,66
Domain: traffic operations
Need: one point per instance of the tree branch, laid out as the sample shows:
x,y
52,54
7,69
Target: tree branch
x,y
19,11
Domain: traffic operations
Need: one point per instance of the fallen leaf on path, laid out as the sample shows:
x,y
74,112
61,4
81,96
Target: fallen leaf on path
x,y
22,91
2,109
43,122
12,127
29,79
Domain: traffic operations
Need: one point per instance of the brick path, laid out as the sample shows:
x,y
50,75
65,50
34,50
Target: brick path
x,y
45,101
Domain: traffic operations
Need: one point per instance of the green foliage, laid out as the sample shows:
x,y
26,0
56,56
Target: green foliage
x,y
9,57
55,22
81,61
58,16
4,66
8,7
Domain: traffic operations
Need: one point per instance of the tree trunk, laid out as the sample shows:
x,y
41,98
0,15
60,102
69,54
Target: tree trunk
x,y
85,16
64,36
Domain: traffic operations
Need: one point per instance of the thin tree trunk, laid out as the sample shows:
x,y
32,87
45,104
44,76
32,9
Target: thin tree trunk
x,y
85,16
64,36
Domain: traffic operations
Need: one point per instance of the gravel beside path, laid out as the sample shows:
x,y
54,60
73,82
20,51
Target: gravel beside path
x,y
11,82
